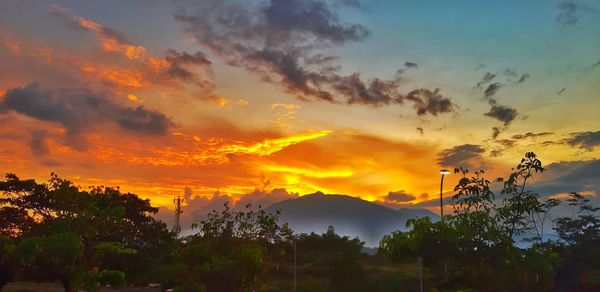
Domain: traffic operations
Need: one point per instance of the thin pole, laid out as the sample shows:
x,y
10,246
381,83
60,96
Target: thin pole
x,y
441,199
295,279
442,218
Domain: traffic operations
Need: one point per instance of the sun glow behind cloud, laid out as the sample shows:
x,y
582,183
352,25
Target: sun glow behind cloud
x,y
271,146
320,173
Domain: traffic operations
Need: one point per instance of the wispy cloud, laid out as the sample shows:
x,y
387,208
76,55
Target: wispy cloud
x,y
111,40
282,41
584,140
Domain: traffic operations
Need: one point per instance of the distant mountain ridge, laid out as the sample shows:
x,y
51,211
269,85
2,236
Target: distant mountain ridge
x,y
348,215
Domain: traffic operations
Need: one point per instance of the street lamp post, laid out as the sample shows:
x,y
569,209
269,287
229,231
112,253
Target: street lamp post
x,y
442,172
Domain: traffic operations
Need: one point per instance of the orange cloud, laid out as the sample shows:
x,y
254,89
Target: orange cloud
x,y
217,99
15,48
110,40
127,79
132,97
161,167
71,64
268,147
287,106
32,49
131,76
343,162
133,73
180,150
562,196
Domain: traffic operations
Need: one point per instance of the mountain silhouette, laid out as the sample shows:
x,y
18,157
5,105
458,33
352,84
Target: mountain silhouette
x,y
348,215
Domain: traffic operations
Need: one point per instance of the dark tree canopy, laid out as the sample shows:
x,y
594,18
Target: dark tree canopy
x,y
58,231
83,238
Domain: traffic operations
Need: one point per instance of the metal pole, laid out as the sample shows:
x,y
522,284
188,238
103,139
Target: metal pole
x,y
295,279
442,218
441,199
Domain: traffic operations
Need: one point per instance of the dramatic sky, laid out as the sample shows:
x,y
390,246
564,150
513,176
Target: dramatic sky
x,y
258,101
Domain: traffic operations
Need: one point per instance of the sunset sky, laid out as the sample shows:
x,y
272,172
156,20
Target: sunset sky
x,y
261,101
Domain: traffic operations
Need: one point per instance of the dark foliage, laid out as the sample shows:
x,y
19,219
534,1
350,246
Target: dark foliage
x,y
473,249
84,238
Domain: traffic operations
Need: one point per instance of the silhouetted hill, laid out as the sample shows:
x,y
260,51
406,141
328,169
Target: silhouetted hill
x,y
349,215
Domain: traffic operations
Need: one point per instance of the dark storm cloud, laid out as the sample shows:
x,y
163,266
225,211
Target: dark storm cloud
x,y
282,41
179,61
239,29
39,143
501,113
427,101
297,79
567,13
399,196
314,17
584,140
375,92
142,120
492,89
460,155
531,135
77,110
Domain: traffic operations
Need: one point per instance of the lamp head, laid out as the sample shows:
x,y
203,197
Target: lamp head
x,y
444,171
